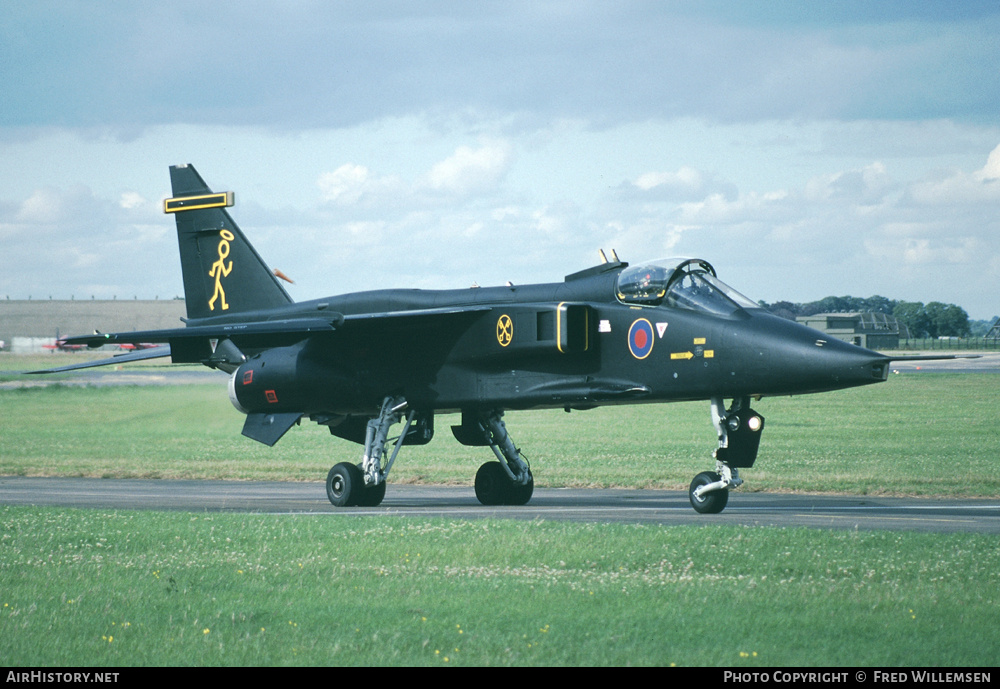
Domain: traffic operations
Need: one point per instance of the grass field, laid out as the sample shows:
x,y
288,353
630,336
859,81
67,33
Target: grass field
x,y
101,588
105,588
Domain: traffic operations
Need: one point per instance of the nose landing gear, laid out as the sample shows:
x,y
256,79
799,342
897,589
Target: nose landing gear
x,y
739,430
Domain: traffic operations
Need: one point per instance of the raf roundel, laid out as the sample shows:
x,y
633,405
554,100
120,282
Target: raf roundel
x,y
640,338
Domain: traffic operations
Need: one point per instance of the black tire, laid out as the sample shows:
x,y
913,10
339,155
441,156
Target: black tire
x,y
371,496
709,503
518,494
344,485
492,484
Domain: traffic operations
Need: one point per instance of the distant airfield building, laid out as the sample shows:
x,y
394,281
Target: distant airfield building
x,y
870,330
26,325
994,331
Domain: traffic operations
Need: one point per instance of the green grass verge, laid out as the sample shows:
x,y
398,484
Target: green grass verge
x,y
101,588
920,434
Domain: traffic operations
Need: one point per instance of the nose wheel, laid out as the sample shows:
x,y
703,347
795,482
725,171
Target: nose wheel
x,y
707,502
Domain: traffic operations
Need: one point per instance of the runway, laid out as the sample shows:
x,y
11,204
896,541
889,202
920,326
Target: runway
x,y
550,504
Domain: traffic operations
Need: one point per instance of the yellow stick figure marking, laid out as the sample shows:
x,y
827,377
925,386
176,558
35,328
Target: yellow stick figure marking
x,y
505,330
221,269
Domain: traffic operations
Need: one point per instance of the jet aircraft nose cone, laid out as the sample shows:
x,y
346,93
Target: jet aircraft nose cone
x,y
851,364
802,360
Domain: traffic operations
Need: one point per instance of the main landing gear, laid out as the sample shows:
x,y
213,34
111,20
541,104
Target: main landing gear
x,y
507,481
739,430
364,484
504,482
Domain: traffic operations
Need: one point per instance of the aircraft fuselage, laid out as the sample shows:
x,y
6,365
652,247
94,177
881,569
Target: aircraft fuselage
x,y
563,345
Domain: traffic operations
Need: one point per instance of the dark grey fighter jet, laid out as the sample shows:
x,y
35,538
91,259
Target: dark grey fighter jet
x,y
663,331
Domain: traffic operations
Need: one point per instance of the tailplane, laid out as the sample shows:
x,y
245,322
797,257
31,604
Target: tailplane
x,y
223,274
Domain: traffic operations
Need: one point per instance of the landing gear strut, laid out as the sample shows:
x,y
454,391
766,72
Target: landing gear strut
x,y
739,430
364,484
509,480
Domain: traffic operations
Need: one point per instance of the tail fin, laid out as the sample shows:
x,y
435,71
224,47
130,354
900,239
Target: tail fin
x,y
223,274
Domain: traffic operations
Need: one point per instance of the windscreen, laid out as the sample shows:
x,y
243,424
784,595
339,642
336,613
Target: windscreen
x,y
680,283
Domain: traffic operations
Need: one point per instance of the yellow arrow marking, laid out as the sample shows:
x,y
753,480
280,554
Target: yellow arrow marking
x,y
681,355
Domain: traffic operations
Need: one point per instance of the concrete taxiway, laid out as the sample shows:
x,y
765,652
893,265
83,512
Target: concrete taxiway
x,y
551,504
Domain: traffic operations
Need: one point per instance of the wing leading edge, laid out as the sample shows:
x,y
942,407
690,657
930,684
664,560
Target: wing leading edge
x,y
141,355
194,343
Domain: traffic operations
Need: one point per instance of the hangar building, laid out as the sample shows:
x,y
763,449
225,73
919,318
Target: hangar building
x,y
869,330
25,325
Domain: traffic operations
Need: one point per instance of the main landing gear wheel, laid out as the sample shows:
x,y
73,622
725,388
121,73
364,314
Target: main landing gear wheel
x,y
344,484
708,503
345,487
494,487
371,496
520,494
491,484
507,481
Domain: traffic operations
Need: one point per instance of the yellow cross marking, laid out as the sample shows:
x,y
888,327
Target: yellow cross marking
x,y
505,330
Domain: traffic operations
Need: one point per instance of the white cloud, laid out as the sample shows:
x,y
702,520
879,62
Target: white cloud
x,y
686,178
960,187
349,184
991,171
924,251
750,206
44,206
643,239
687,183
467,171
867,185
470,170
130,200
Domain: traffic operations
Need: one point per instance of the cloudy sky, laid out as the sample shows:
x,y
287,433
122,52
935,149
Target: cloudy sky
x,y
805,149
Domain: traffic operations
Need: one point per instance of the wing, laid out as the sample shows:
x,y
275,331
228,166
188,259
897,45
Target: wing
x,y
141,355
267,333
202,343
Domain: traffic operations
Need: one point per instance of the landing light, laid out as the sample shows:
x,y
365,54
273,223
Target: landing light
x,y
754,423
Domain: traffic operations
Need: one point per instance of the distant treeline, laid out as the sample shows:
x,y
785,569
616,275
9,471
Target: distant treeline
x,y
933,319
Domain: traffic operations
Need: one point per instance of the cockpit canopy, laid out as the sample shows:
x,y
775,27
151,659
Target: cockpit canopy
x,y
687,283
